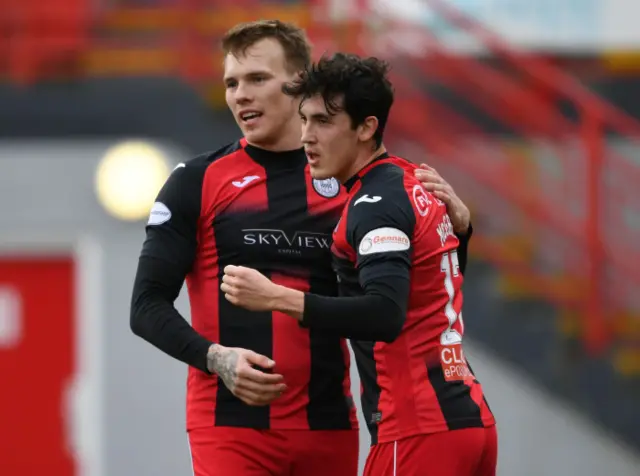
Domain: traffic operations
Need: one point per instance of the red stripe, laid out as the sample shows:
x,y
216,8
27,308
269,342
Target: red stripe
x,y
202,284
476,392
218,194
427,410
291,344
396,403
478,396
221,192
340,242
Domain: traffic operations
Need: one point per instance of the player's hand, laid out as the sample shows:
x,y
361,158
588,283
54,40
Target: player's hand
x,y
248,288
237,369
457,210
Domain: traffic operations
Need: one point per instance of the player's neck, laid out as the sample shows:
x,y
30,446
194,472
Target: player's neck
x,y
364,158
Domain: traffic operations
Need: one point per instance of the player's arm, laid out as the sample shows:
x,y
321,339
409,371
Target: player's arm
x,y
384,274
456,208
463,247
167,256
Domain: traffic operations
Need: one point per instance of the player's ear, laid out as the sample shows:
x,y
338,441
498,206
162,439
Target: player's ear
x,y
367,129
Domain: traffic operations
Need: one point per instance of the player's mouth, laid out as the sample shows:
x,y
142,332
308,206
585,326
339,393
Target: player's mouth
x,y
312,157
250,117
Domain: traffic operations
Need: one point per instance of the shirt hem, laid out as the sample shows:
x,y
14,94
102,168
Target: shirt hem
x,y
354,427
397,436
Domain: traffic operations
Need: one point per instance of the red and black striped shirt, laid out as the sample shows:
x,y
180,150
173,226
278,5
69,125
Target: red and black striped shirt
x,y
245,206
400,275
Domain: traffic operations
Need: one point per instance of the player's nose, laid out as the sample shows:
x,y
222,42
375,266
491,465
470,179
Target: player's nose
x,y
307,136
242,94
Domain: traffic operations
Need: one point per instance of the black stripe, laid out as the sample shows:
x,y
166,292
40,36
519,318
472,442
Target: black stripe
x,y
457,406
239,328
329,407
366,363
287,192
248,330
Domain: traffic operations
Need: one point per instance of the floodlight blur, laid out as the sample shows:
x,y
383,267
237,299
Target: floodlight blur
x,y
129,177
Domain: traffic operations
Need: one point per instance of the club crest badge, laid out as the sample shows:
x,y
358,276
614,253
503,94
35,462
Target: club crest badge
x,y
327,188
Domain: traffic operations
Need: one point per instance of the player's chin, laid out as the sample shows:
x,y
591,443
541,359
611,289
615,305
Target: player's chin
x,y
256,135
319,172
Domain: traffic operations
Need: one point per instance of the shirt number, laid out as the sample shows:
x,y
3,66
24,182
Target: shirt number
x,y
451,268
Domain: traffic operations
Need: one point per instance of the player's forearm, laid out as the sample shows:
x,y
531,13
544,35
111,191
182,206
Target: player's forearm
x,y
464,247
290,301
464,233
373,317
155,319
162,325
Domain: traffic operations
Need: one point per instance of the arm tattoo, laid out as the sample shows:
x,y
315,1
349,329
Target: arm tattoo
x,y
224,363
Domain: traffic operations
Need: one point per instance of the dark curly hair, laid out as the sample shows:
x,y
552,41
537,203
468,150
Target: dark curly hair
x,y
358,86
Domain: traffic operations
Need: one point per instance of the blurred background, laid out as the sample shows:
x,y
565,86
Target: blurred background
x,y
530,108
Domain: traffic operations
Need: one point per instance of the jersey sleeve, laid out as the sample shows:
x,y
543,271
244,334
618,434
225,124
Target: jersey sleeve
x,y
172,227
167,257
381,233
380,225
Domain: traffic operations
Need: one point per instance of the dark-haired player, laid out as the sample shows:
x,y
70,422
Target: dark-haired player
x,y
400,277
